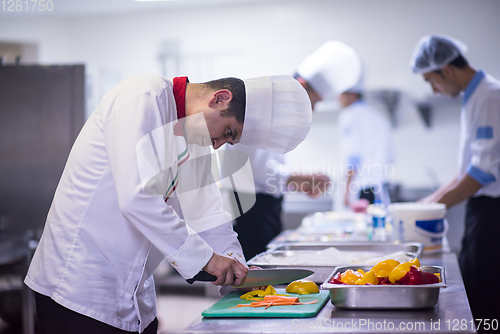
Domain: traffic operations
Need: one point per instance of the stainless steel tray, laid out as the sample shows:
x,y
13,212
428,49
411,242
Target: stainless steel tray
x,y
322,271
384,296
300,236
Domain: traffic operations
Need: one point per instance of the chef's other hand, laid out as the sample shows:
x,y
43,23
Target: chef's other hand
x,y
228,271
346,198
312,185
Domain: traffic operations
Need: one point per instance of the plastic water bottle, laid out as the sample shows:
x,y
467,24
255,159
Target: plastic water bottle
x,y
378,214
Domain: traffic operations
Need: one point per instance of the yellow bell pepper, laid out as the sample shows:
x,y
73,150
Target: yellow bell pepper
x,y
415,262
350,276
384,268
259,294
370,277
302,287
398,272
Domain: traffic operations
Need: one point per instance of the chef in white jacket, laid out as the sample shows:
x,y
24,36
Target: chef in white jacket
x,y
440,60
334,72
366,148
137,188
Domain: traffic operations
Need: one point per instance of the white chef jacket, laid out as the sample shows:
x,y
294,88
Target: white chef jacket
x,y
104,235
366,144
479,152
269,169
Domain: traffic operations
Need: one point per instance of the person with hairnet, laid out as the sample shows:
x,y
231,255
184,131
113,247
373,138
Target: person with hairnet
x,y
439,59
334,71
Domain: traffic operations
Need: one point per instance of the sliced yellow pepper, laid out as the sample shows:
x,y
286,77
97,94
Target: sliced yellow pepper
x,y
415,262
384,268
259,294
370,278
302,287
398,272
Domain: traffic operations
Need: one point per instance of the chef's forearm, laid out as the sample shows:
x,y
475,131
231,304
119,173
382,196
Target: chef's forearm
x,y
464,189
350,176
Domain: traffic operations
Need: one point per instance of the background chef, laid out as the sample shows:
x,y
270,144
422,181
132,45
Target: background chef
x,y
440,60
334,71
134,192
272,178
326,73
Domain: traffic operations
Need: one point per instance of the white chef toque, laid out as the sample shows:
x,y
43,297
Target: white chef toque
x,y
358,87
433,52
278,113
331,70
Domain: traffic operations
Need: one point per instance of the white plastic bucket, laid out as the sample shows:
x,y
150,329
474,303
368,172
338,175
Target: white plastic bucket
x,y
420,222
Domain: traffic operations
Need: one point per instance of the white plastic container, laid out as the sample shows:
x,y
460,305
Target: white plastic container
x,y
420,222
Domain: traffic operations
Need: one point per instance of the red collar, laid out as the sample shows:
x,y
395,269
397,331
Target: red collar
x,y
180,84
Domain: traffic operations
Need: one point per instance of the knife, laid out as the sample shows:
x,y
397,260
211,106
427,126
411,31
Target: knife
x,y
260,277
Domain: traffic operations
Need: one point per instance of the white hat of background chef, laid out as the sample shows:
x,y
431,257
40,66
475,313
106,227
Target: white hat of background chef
x,y
278,113
331,70
433,52
358,87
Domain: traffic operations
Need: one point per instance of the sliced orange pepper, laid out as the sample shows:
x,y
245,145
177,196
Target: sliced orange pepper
x,y
350,276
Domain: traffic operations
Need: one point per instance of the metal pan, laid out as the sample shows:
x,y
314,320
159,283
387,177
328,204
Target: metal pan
x,y
287,253
384,296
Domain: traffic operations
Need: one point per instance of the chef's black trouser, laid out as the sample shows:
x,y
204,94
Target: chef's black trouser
x,y
480,257
54,318
259,225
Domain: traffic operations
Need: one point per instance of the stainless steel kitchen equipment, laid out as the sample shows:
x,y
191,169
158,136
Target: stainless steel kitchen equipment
x,y
452,305
286,254
385,296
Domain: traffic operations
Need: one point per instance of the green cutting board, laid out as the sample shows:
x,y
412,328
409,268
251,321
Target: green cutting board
x,y
220,308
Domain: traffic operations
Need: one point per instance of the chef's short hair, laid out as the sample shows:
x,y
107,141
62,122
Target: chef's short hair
x,y
236,86
459,62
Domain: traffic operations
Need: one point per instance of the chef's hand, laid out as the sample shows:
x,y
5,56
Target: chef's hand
x,y
346,198
312,185
228,271
432,198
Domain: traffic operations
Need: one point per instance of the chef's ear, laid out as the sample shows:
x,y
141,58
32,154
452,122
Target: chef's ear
x,y
448,72
221,99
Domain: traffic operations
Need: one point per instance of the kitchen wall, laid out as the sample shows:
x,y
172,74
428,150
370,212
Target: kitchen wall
x,y
272,38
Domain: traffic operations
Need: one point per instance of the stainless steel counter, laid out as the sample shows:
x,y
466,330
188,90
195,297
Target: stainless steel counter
x,y
451,315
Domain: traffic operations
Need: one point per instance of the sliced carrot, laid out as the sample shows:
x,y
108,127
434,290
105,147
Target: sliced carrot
x,y
275,301
313,302
281,298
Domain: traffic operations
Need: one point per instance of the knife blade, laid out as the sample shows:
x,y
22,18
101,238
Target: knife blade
x,y
260,277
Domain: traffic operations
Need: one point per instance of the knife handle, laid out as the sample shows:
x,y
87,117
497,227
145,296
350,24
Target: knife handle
x,y
202,276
